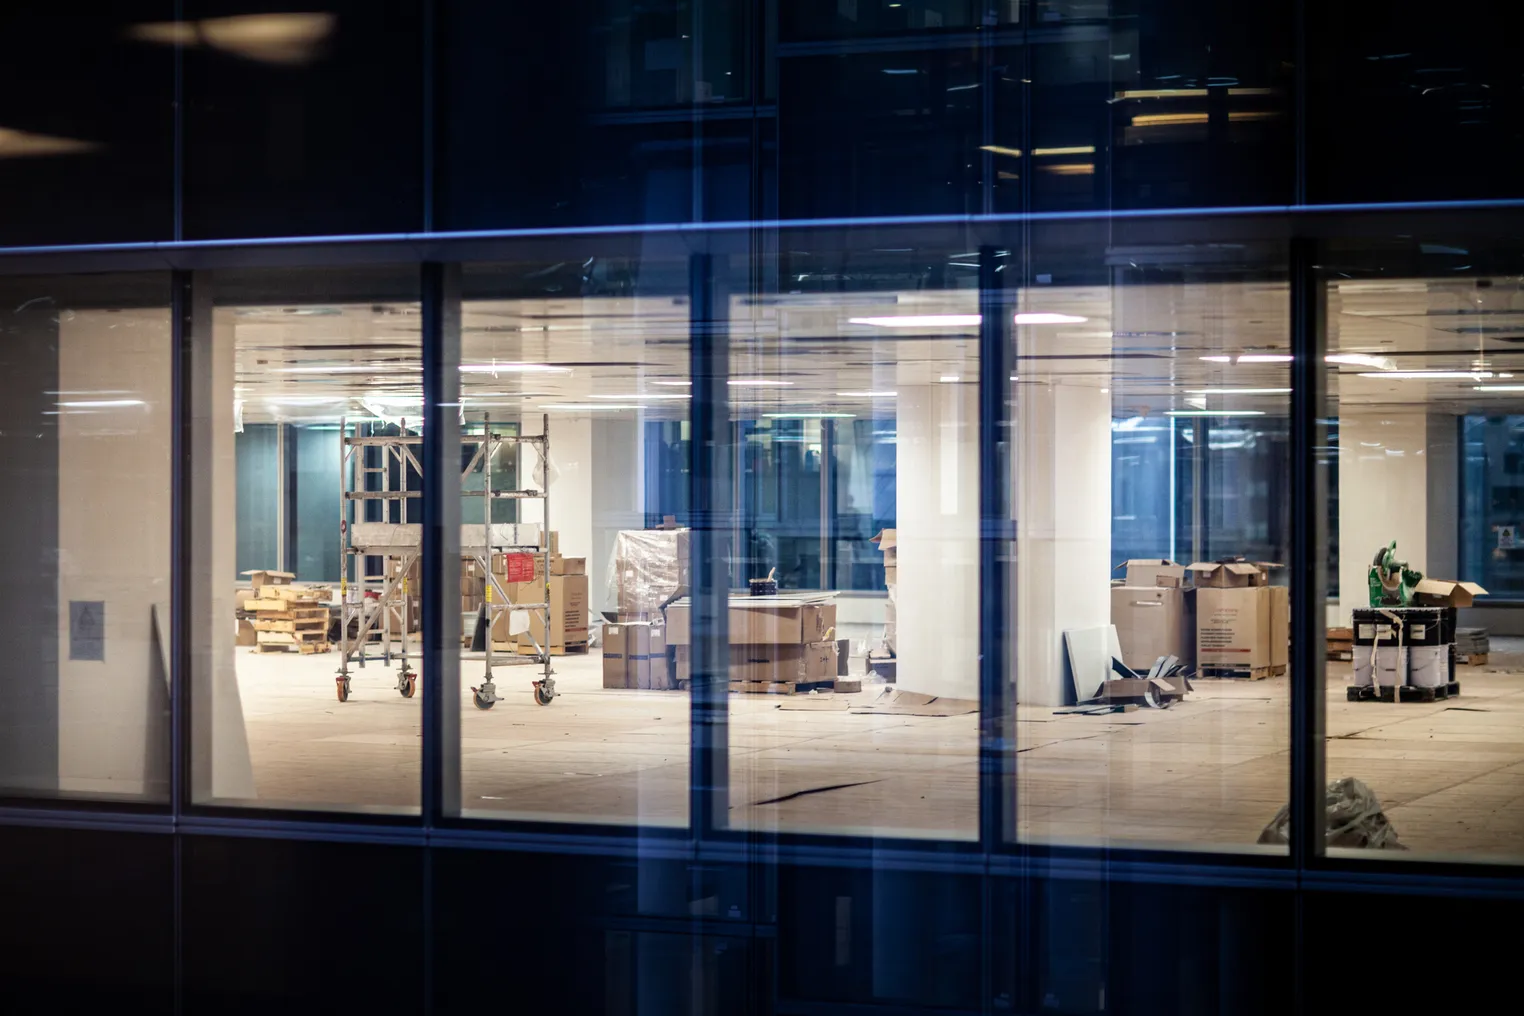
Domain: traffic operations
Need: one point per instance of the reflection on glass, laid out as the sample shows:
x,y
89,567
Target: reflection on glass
x,y
308,698
1151,454
853,616
574,407
86,435
1422,670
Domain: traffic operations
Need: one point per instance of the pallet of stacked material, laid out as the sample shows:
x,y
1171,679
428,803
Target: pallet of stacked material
x,y
290,621
1472,646
1341,643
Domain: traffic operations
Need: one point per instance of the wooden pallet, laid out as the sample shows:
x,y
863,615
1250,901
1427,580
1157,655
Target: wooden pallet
x,y
1239,673
304,648
1473,660
1404,693
841,686
1343,655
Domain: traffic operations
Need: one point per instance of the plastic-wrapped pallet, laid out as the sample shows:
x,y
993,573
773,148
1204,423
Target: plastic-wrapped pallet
x,y
1472,641
649,569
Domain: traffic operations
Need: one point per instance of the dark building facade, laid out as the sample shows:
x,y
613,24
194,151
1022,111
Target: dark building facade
x,y
722,200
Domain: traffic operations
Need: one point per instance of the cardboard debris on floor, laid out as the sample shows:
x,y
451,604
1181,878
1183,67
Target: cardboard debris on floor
x,y
897,702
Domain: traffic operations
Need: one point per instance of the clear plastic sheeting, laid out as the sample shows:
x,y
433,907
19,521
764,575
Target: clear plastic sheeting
x,y
1355,819
648,570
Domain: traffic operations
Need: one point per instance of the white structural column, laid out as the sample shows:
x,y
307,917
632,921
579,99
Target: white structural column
x,y
115,432
937,518
221,767
1063,496
617,497
1398,480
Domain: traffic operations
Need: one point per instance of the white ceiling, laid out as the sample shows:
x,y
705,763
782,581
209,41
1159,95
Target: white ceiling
x,y
1144,343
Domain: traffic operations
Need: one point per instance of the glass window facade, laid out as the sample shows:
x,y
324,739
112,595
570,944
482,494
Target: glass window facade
x,y
874,504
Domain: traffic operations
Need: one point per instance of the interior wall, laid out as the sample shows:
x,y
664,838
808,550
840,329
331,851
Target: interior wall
x,y
617,498
571,481
937,523
1384,495
115,502
29,540
1063,484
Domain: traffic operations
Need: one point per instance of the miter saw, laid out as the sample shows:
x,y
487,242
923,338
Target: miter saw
x,y
1392,582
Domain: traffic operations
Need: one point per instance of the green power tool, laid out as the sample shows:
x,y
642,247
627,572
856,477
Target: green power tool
x,y
1392,582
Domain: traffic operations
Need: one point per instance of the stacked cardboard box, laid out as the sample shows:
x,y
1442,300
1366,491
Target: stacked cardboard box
x,y
1154,611
888,542
1242,622
635,656
776,642
1341,643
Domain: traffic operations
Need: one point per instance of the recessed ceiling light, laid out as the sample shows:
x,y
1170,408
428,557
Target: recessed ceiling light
x,y
634,397
512,368
1214,412
809,416
1044,318
1238,391
1431,375
948,378
1361,360
920,321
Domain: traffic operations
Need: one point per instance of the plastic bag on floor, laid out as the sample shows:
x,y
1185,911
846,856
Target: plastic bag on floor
x,y
1355,819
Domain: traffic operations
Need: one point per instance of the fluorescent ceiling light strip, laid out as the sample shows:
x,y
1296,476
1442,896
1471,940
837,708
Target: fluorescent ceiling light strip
x,y
1431,375
379,368
1498,388
964,320
867,395
1214,412
809,416
1361,360
757,382
1238,391
512,368
633,397
1265,358
102,404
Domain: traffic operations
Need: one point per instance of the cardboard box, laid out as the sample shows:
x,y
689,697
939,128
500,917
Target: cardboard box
x,y
568,611
1445,593
615,656
1154,571
648,657
260,577
888,542
1280,626
1154,621
1231,574
771,620
771,664
1233,627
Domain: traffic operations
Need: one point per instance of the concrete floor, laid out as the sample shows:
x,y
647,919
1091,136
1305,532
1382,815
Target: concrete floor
x,y
1209,773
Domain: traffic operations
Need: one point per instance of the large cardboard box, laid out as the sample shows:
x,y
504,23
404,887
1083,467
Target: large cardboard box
x,y
761,620
568,612
616,642
1233,627
647,647
1154,621
1280,626
888,542
771,664
1154,571
261,577
1231,574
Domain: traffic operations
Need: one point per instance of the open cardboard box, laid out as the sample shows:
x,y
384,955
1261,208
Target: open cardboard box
x,y
1446,593
1154,571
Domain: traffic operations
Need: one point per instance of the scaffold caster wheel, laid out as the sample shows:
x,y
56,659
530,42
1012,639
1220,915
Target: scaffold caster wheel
x,y
484,697
343,688
407,684
542,694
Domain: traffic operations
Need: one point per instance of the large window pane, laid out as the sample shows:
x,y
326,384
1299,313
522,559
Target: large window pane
x,y
87,435
1150,403
305,695
574,394
1423,664
853,650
